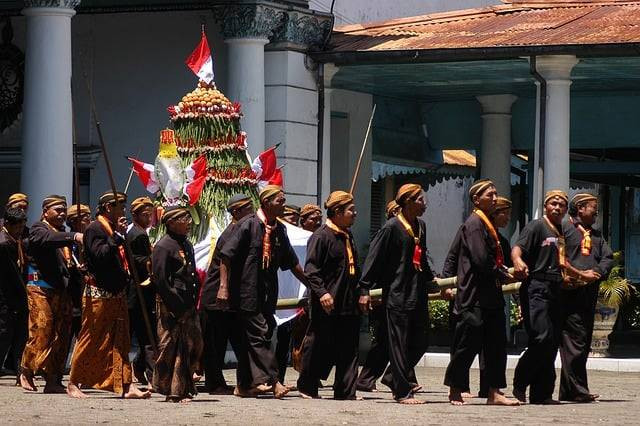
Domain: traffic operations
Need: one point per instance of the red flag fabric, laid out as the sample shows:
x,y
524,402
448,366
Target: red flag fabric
x,y
200,61
146,175
194,189
196,169
264,166
276,178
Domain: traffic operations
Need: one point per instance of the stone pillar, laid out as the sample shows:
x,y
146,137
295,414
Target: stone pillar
x,y
556,70
47,148
495,153
329,71
246,30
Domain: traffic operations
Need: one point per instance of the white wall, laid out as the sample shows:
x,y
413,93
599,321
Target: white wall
x,y
358,11
356,108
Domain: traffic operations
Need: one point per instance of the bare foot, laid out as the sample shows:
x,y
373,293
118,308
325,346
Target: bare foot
x,y
417,388
74,392
264,388
496,398
307,396
410,401
27,383
467,395
586,398
550,401
54,388
520,394
279,390
176,399
185,400
455,397
135,393
196,377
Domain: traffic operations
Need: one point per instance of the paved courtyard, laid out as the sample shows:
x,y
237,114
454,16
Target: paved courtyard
x,y
619,404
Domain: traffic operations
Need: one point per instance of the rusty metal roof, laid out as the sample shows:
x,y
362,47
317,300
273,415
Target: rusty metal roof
x,y
458,157
515,23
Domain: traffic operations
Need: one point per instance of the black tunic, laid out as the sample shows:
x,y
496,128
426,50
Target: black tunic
x,y
103,258
539,249
389,263
50,262
255,289
328,272
209,296
174,273
600,258
477,273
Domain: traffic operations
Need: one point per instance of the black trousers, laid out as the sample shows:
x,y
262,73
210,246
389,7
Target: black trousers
x,y
283,347
542,321
330,340
575,342
14,332
145,358
378,357
407,341
219,329
478,331
260,363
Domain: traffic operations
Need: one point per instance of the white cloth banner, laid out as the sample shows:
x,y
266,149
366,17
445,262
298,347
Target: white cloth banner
x,y
288,285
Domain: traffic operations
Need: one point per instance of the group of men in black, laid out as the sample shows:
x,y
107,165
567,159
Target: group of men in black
x,y
559,265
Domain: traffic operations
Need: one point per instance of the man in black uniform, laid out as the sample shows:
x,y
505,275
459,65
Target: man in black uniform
x,y
333,273
586,250
220,322
49,251
479,305
138,239
397,261
180,339
18,201
257,248
310,217
378,357
13,293
539,259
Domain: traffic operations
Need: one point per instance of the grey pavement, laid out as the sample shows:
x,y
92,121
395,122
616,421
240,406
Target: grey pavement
x,y
619,404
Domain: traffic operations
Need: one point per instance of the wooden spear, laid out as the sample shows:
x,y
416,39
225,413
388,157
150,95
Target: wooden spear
x,y
364,145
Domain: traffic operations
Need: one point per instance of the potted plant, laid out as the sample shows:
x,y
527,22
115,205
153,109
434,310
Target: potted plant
x,y
612,294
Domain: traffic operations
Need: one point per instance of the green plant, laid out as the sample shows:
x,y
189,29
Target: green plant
x,y
438,315
615,290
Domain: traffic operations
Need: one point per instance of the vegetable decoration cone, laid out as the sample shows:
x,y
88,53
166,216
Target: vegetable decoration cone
x,y
207,124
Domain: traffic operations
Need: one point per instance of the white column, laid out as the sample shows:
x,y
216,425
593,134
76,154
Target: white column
x,y
556,70
47,148
329,71
495,153
246,85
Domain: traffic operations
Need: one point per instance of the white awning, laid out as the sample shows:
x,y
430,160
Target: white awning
x,y
381,170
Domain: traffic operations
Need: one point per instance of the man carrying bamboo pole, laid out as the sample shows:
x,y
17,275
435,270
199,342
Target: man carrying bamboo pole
x,y
333,273
101,356
587,250
257,249
539,258
479,304
397,261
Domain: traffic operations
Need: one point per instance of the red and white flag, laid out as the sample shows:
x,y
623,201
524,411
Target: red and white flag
x,y
200,61
264,165
146,174
196,174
